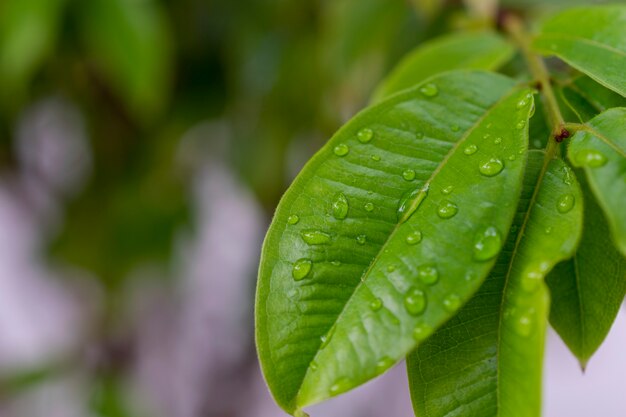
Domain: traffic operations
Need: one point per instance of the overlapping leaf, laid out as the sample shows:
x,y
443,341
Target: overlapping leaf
x,y
487,360
480,50
592,40
387,231
600,149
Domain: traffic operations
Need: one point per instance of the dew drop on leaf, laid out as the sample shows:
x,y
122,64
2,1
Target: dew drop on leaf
x,y
520,125
524,324
565,203
301,269
368,207
487,244
340,385
326,338
415,301
421,331
470,149
376,304
452,302
335,263
365,135
341,149
530,280
375,158
315,237
497,141
512,157
313,366
590,158
428,274
522,103
408,174
429,90
391,268
293,219
548,230
361,239
411,202
340,206
447,190
447,209
491,167
414,237
383,364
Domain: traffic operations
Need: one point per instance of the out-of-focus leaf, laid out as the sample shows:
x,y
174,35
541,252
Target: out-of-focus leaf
x,y
487,360
588,290
371,246
479,50
129,42
28,32
600,97
600,149
591,39
427,8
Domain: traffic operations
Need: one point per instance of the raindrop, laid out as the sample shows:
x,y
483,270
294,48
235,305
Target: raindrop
x,y
548,230
313,366
293,219
590,158
452,302
470,149
512,157
340,385
383,364
486,136
429,90
428,274
522,103
497,141
411,202
414,237
447,209
335,263
376,304
470,276
530,280
491,167
408,174
361,239
447,190
521,124
301,269
415,301
341,149
565,203
365,135
375,158
524,325
326,338
368,207
315,237
340,207
568,175
422,331
487,244
391,268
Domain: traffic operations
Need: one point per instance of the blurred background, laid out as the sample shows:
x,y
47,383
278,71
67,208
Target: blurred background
x,y
143,147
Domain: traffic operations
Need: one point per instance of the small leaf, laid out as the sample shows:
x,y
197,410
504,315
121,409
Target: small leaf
x,y
487,360
600,97
393,272
588,290
479,50
600,149
591,39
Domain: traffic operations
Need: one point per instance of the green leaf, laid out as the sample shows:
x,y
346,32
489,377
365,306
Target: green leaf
x,y
487,360
581,99
480,50
600,149
397,194
591,39
588,290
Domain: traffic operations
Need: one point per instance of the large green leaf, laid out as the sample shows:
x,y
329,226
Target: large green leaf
x,y
478,50
600,149
588,290
592,40
387,231
487,360
581,99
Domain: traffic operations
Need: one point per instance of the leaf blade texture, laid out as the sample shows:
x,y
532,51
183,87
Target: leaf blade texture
x,y
365,248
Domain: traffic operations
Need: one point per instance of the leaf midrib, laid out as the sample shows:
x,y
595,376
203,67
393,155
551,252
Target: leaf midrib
x,y
514,89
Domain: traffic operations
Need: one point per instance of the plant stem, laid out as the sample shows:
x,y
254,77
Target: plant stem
x,y
515,27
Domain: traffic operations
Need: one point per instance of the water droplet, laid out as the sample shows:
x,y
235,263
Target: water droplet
x,y
375,158
411,202
383,364
491,167
548,230
415,301
293,219
454,128
524,324
340,207
301,269
497,141
590,158
521,151
313,366
568,175
470,276
365,135
486,136
452,302
414,237
447,209
341,149
521,124
487,243
512,157
447,190
530,280
315,237
428,274
408,174
429,90
376,304
340,385
522,103
326,338
565,203
335,263
368,207
470,149
361,239
421,331
391,268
